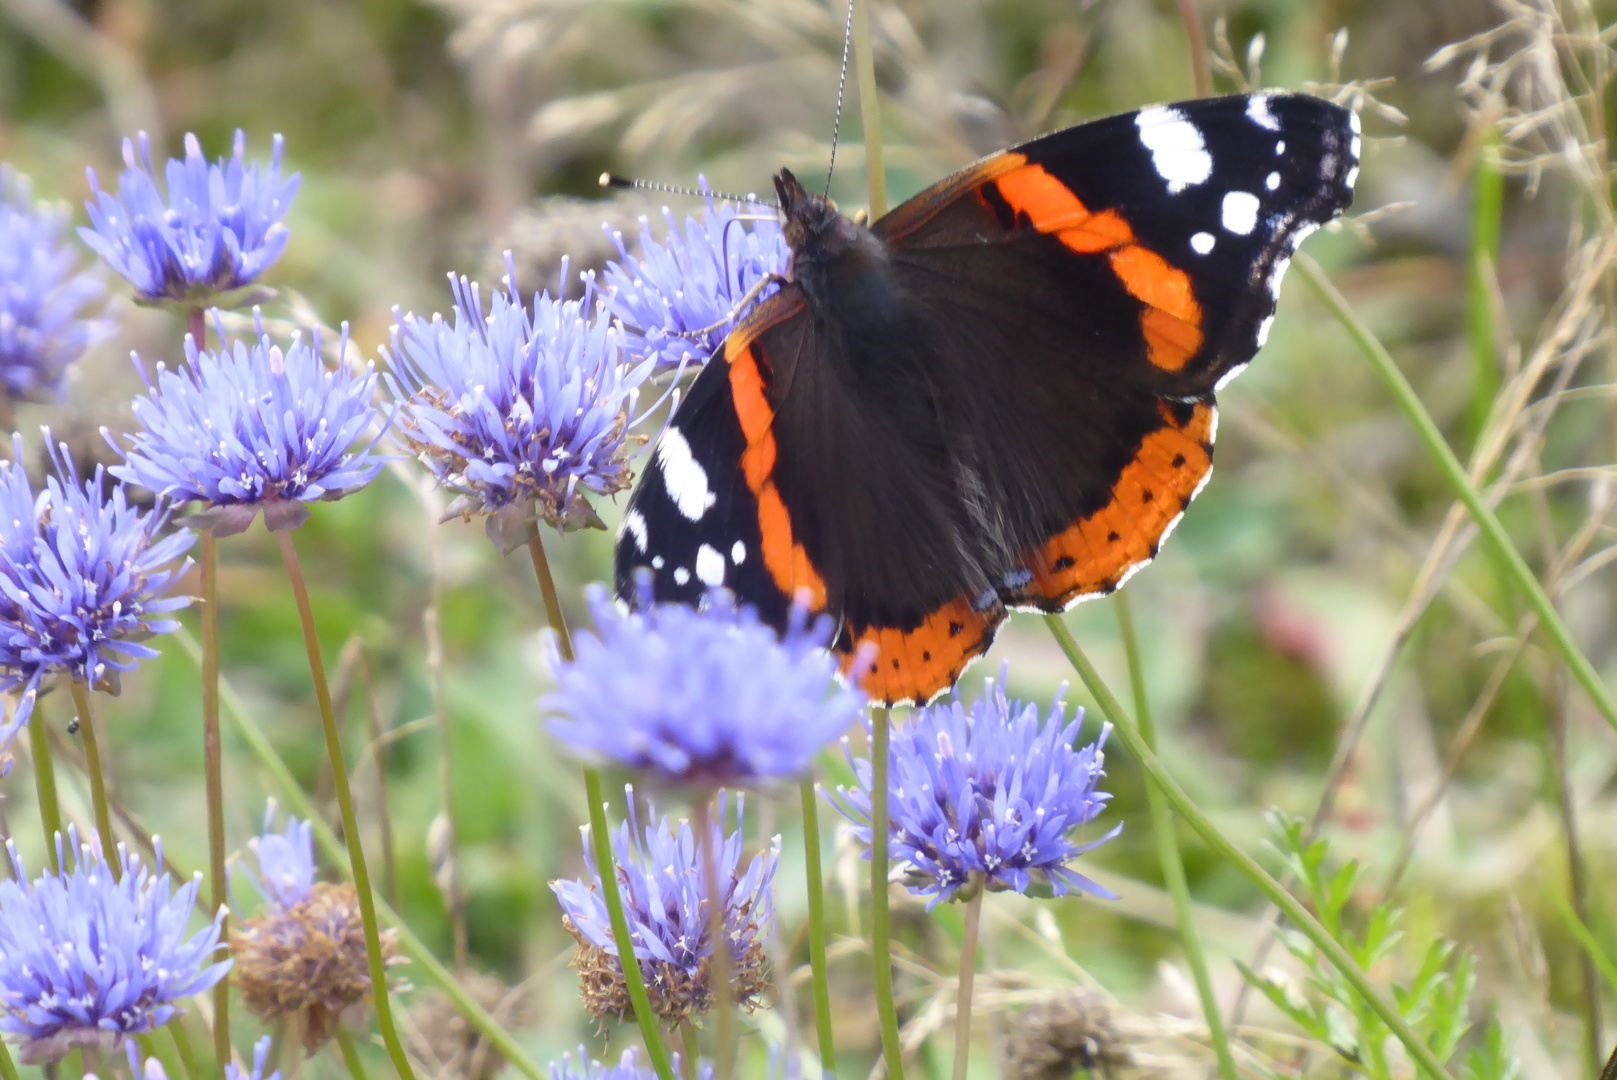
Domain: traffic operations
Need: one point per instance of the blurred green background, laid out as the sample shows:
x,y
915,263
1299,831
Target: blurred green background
x,y
431,137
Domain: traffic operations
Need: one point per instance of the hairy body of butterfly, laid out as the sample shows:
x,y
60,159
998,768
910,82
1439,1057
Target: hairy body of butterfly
x,y
1001,394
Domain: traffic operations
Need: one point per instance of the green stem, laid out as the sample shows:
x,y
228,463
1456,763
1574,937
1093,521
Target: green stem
x,y
8,1068
424,964
188,1057
816,905
1182,803
607,867
350,1054
724,1036
968,975
50,810
1173,864
864,68
880,921
98,779
601,841
213,766
345,804
1454,473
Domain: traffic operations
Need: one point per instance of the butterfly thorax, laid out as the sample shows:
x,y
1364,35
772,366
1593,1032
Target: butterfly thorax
x,y
840,264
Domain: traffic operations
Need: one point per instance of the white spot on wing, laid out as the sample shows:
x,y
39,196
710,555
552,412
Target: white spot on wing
x,y
709,566
1353,122
1257,110
1272,181
1353,148
1240,213
1280,147
1276,274
1352,175
682,576
1263,330
1178,151
1225,379
656,562
738,553
635,526
1202,243
685,479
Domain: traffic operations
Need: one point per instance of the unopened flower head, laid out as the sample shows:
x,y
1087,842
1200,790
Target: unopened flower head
x,y
521,415
255,426
285,860
218,229
987,797
83,580
707,697
693,281
88,960
305,954
662,877
44,327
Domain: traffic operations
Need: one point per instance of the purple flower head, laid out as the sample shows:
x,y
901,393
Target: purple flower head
x,y
693,281
627,1068
82,572
87,960
520,415
285,860
666,901
707,697
219,228
254,426
987,797
43,329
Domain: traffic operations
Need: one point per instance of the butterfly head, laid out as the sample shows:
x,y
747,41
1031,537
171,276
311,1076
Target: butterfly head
x,y
821,237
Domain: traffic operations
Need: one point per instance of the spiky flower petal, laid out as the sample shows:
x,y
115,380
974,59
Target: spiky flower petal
x,y
520,415
87,959
218,229
82,573
254,426
693,281
711,697
627,1068
285,859
666,900
987,797
43,324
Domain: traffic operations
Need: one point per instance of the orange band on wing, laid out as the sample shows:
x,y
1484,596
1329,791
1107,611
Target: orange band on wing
x,y
1172,319
786,559
919,664
1093,555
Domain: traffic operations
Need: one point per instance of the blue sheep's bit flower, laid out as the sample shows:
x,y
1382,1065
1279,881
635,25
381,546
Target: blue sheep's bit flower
x,y
253,427
709,698
519,415
693,281
87,959
987,798
82,573
627,1068
666,900
153,1069
43,328
218,230
286,871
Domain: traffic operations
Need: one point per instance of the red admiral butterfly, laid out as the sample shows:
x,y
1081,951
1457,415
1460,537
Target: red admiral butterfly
x,y
1001,394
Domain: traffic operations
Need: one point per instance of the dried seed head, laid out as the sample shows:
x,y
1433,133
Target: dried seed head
x,y
676,993
446,1047
1053,1039
309,958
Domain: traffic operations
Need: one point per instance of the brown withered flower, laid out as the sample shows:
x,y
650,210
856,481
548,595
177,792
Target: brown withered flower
x,y
1052,1040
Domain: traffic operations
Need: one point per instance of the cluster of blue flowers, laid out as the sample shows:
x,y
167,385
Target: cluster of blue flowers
x,y
89,957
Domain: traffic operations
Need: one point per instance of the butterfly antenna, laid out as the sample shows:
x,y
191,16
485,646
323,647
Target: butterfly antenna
x,y
613,180
842,85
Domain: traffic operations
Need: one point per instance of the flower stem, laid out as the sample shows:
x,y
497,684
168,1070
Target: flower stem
x,y
880,923
864,67
350,1054
1186,807
1437,448
98,779
968,974
345,804
724,1035
601,840
213,766
8,1068
50,811
426,965
816,905
1173,865
547,589
188,1057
